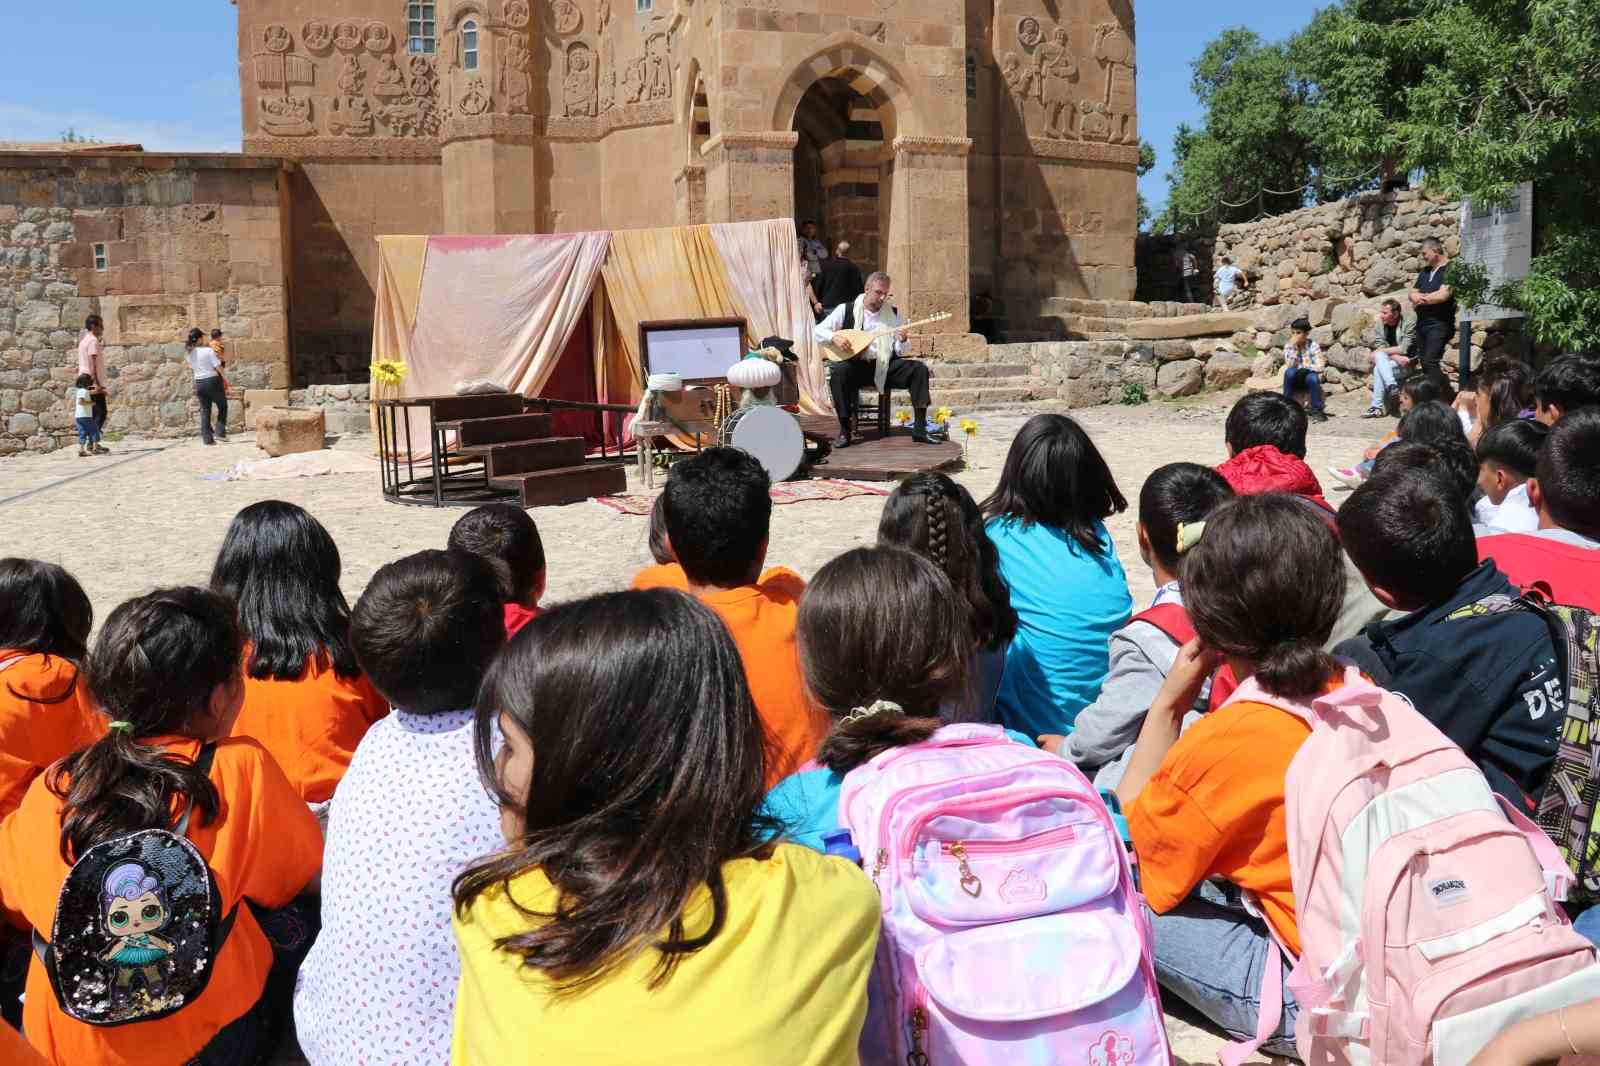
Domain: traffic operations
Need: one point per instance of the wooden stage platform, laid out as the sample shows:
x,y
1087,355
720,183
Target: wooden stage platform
x,y
874,459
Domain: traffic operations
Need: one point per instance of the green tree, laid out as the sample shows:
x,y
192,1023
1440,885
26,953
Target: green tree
x,y
1147,163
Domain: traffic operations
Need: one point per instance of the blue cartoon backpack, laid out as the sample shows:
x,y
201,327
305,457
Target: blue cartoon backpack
x,y
138,926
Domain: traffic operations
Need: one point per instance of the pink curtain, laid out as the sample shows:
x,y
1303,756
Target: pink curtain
x,y
500,309
762,261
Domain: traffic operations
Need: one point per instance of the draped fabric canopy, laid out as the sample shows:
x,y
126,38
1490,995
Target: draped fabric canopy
x,y
502,308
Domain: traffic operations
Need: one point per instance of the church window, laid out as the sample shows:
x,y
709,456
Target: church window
x,y
100,260
420,28
644,5
469,44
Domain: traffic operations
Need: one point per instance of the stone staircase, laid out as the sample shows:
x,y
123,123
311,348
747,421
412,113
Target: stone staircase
x,y
979,386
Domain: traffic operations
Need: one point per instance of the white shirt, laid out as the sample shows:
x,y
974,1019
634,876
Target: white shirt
x,y
884,318
204,362
83,404
1227,278
1514,514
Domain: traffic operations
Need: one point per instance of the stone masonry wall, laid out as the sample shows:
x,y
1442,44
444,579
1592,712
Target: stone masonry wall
x,y
188,242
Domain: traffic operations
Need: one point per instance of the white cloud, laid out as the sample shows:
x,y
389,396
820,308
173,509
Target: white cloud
x,y
19,122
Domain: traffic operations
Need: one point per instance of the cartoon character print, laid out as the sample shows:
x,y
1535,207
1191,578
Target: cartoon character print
x,y
1111,1048
133,909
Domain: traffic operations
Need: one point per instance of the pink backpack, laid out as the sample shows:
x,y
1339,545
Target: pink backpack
x,y
1012,930
1427,906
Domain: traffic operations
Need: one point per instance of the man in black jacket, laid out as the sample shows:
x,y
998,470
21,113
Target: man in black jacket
x,y
1487,678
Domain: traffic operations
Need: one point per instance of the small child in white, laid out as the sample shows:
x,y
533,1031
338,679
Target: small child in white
x,y
82,397
1507,456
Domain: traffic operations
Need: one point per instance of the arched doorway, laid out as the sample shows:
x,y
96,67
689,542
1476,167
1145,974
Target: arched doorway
x,y
842,169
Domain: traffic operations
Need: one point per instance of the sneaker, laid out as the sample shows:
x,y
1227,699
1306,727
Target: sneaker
x,y
101,450
1348,476
82,454
1317,416
1373,412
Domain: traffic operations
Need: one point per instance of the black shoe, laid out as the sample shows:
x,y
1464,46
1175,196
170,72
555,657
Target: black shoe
x,y
919,436
842,441
1318,416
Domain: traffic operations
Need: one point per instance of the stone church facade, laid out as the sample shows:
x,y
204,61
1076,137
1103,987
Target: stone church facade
x,y
981,151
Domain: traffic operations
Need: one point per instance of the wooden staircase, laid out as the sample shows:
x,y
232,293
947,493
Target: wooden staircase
x,y
518,452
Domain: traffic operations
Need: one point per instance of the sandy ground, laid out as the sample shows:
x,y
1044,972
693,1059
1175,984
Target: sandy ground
x,y
142,517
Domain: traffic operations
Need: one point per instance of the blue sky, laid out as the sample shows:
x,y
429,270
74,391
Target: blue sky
x,y
165,74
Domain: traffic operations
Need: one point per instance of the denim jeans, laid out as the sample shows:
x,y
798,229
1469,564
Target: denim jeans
x,y
1299,377
1210,954
1383,378
1587,925
88,431
210,393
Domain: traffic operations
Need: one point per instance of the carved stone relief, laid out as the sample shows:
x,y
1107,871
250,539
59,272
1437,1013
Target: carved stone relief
x,y
514,83
603,15
286,116
277,38
389,83
1057,73
350,116
565,16
1046,72
316,35
475,98
278,72
579,94
517,14
351,76
347,35
377,37
424,76
1093,124
1028,32
1113,48
608,75
658,66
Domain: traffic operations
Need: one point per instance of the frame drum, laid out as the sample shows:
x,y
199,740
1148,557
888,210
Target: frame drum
x,y
772,435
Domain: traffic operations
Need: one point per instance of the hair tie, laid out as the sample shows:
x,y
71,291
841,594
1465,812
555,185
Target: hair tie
x,y
124,727
1189,535
875,707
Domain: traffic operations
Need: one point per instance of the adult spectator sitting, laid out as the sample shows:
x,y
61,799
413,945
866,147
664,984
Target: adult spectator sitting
x,y
1567,383
840,281
1391,341
1435,302
888,369
1232,285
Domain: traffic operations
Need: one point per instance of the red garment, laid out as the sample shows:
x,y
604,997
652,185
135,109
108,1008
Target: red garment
x,y
518,616
1570,572
1266,469
1173,620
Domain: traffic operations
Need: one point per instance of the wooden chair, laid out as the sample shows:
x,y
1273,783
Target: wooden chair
x,y
882,407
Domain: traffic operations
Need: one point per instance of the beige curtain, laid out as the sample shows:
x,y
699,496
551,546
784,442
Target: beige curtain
x,y
760,258
400,261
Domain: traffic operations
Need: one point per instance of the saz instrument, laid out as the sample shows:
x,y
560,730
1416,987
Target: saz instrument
x,y
849,343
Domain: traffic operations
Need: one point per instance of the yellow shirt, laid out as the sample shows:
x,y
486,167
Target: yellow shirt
x,y
784,981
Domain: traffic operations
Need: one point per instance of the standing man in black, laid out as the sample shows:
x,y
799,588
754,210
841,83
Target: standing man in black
x,y
840,281
1435,302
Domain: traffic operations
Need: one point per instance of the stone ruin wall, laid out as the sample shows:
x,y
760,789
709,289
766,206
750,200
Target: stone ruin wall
x,y
188,241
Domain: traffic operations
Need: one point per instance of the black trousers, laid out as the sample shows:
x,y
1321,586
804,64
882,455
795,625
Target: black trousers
x,y
848,378
98,402
210,393
1432,337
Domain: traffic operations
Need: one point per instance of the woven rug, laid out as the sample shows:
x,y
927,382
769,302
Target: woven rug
x,y
639,503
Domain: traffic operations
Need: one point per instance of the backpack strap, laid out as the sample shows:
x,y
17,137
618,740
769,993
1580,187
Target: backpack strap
x,y
202,762
1170,618
1558,876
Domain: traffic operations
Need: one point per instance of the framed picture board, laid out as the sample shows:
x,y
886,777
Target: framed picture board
x,y
700,349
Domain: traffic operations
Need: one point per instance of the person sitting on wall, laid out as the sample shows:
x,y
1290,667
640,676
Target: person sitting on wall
x,y
887,369
1391,340
1232,284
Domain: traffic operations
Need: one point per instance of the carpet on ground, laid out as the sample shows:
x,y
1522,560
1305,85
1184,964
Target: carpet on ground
x,y
301,464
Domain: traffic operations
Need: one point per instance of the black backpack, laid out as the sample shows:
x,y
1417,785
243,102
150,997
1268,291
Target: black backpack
x,y
138,926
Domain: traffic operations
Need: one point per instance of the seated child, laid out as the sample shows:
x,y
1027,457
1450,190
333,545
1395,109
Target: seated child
x,y
1176,497
167,670
1480,677
1303,367
1507,457
1417,389
506,536
1047,520
410,814
1502,392
1266,439
936,517
1563,554
877,624
45,708
1205,810
718,511
1455,464
643,909
305,699
1566,383
665,573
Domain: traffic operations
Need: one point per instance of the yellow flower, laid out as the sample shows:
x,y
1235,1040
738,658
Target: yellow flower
x,y
388,371
969,427
942,414
902,416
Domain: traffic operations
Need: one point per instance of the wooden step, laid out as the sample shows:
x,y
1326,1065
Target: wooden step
x,y
488,405
549,488
526,456
502,428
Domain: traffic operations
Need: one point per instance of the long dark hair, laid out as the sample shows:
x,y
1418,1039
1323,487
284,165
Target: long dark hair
x,y
936,517
1509,383
626,831
1054,475
43,611
1433,423
282,568
194,338
881,624
154,666
1266,583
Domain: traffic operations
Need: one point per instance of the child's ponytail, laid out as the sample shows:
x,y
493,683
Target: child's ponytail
x,y
152,670
1296,669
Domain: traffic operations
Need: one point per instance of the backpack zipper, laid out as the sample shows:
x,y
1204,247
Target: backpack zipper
x,y
960,850
919,1029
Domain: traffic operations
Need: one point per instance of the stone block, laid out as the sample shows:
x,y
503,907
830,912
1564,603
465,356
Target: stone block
x,y
1170,351
22,423
1320,311
36,399
1183,378
1227,369
39,314
1218,324
285,430
260,299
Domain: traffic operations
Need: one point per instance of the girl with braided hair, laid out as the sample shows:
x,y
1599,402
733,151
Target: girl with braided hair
x,y
936,517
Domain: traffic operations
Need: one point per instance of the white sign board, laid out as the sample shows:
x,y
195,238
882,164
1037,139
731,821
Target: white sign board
x,y
698,353
1499,238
